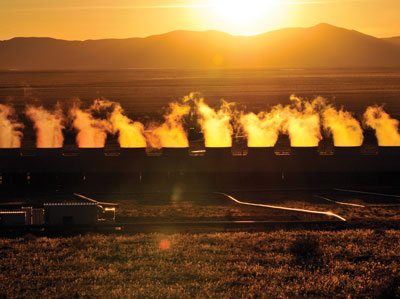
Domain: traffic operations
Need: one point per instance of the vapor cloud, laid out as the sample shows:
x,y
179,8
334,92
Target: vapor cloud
x,y
10,129
48,126
386,127
91,131
171,132
303,120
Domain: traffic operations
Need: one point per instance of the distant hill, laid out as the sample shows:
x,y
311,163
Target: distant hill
x,y
394,40
323,45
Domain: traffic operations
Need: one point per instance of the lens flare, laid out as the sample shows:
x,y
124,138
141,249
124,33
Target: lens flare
x,y
164,245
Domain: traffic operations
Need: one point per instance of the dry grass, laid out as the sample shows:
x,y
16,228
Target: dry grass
x,y
354,263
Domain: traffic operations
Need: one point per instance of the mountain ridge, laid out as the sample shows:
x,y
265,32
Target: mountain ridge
x,y
395,40
323,45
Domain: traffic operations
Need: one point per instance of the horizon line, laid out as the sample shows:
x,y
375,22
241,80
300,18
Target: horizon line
x,y
250,34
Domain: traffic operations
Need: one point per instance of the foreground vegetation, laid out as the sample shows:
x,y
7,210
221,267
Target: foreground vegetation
x,y
280,264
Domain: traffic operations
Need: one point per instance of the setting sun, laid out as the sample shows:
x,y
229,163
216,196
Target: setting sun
x,y
241,12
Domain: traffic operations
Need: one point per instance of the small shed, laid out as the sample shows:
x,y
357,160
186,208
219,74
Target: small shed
x,y
12,218
76,213
78,210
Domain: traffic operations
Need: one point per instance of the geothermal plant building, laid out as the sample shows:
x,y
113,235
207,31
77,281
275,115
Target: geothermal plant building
x,y
84,213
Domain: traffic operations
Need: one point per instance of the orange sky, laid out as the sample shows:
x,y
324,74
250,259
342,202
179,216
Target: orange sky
x,y
94,19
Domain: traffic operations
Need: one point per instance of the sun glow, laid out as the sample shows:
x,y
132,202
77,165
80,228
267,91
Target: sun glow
x,y
240,12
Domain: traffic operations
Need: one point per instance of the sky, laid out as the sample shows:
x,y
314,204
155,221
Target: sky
x,y
96,19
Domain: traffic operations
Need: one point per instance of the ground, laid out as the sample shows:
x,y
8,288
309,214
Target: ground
x,y
279,264
210,206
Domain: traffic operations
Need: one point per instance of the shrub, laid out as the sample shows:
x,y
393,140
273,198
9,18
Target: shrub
x,y
379,232
306,250
390,289
30,237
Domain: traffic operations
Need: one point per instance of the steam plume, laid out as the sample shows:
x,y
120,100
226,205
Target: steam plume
x,y
302,122
48,126
92,132
216,124
170,133
10,134
262,130
345,129
131,134
386,128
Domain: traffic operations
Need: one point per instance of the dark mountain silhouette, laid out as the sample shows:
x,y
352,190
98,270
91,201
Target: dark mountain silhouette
x,y
320,46
394,40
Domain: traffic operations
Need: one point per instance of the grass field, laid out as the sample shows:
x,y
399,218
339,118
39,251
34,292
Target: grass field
x,y
280,264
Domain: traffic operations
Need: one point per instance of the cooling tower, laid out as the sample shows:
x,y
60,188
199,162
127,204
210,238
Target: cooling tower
x,y
218,152
49,152
133,152
175,152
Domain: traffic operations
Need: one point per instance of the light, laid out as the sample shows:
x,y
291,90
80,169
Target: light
x,y
164,245
12,212
244,12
